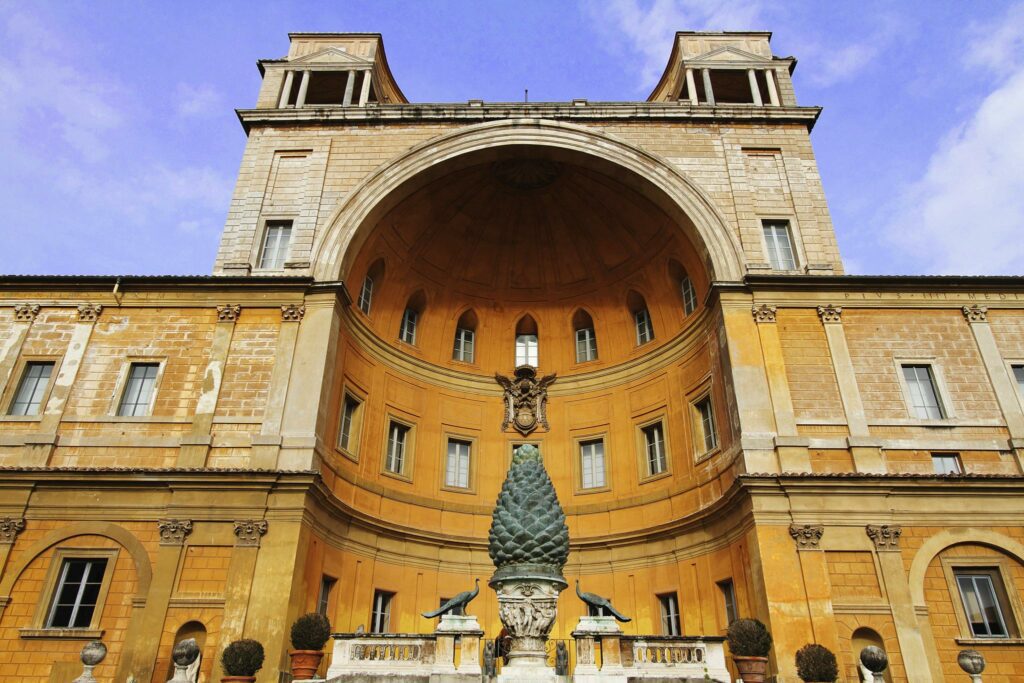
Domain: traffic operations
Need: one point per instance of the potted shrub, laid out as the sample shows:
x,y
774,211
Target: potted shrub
x,y
241,660
309,633
816,664
749,644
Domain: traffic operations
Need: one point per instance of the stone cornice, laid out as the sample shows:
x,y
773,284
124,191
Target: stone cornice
x,y
579,111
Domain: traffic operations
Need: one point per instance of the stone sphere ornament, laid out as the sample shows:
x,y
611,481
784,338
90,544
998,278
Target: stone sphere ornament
x,y
185,652
92,654
971,661
874,659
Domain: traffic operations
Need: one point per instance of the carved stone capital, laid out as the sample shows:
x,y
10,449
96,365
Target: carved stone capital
x,y
89,313
976,313
10,527
174,531
250,531
830,313
25,313
763,313
885,536
228,313
807,536
292,313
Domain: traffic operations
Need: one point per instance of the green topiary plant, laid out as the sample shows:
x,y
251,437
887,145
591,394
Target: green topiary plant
x,y
310,631
242,657
749,638
816,663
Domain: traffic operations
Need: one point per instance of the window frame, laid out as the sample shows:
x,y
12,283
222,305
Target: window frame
x,y
1011,365
1012,611
942,395
646,313
48,594
351,451
407,456
447,436
666,615
388,608
578,441
11,391
402,325
122,384
458,340
645,475
369,299
947,454
591,345
727,588
323,598
689,294
703,394
536,351
261,246
794,245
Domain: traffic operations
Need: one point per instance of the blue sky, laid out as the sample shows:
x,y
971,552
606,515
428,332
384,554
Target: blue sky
x,y
120,144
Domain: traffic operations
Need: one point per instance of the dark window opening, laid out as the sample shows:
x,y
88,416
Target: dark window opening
x,y
731,86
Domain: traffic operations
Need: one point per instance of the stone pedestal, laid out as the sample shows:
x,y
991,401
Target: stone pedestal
x,y
466,630
591,634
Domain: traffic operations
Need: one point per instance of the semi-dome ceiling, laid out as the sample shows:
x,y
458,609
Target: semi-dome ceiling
x,y
525,228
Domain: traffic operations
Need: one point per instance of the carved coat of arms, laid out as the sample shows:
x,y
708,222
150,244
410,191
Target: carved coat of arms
x,y
526,399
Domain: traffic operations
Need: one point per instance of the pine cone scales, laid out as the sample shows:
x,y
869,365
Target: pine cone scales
x,y
528,526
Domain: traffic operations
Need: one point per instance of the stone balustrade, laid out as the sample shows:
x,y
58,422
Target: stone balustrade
x,y
625,657
384,655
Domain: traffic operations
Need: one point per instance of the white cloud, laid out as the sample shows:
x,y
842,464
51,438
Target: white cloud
x,y
198,101
647,28
966,213
997,45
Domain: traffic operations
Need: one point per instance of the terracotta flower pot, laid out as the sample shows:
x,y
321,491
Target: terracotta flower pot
x,y
305,663
238,679
751,669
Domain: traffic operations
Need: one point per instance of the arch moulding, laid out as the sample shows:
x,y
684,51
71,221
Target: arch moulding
x,y
944,539
120,535
674,191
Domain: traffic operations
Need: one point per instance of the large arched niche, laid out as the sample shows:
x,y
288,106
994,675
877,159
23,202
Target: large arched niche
x,y
660,182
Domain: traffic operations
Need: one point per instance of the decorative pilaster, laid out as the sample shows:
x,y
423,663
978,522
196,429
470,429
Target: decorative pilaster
x,y
228,313
830,313
807,536
884,536
89,313
250,531
976,313
10,527
26,313
763,313
174,531
292,313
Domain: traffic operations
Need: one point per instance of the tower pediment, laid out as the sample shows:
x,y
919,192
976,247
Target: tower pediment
x,y
333,56
728,54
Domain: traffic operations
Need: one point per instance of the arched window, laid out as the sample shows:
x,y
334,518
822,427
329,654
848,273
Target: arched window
x,y
685,284
411,318
526,341
586,339
641,317
373,278
464,349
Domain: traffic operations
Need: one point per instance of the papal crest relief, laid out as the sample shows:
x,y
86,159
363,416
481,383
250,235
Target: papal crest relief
x,y
526,399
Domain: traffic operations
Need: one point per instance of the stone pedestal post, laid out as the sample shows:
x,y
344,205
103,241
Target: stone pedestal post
x,y
466,629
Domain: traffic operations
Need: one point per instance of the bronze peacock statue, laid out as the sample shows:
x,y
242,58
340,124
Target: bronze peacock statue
x,y
599,603
460,600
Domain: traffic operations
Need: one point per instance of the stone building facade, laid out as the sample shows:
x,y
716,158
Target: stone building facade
x,y
736,427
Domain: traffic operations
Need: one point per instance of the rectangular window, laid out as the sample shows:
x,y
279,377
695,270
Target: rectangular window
x,y
779,245
407,332
464,340
729,596
644,329
689,296
349,425
138,390
398,436
456,471
31,389
705,415
526,350
586,345
78,589
984,601
924,398
592,464
1018,374
324,599
366,295
275,245
654,444
947,463
380,619
669,614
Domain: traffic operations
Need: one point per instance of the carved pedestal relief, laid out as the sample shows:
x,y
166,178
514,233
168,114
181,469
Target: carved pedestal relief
x,y
526,399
